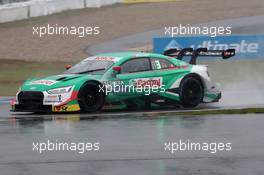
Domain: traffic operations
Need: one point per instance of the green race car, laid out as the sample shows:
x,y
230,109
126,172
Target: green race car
x,y
124,80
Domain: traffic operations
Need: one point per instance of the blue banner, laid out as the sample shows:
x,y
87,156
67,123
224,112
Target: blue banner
x,y
246,46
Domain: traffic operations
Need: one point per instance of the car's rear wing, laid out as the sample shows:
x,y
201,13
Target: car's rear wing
x,y
179,54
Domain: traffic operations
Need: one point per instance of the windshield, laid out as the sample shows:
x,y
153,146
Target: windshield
x,y
90,67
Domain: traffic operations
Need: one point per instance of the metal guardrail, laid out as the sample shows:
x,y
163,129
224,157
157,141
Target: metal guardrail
x,y
11,1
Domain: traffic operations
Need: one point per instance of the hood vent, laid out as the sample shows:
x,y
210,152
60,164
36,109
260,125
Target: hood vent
x,y
61,78
67,78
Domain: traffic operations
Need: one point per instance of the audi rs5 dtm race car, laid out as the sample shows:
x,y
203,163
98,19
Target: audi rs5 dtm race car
x,y
126,79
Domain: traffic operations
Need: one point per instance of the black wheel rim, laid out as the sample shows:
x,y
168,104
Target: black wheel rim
x,y
91,97
192,92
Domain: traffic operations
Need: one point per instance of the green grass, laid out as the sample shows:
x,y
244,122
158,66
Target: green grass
x,y
13,73
219,112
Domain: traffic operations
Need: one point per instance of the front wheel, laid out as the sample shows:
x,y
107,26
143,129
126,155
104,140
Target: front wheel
x,y
90,98
191,92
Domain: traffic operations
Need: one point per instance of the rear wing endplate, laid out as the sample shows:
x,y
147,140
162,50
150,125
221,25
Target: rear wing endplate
x,y
179,54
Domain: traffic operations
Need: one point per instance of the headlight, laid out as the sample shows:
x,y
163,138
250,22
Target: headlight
x,y
62,90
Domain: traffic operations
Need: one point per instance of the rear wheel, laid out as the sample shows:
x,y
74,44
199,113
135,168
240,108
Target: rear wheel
x,y
90,98
191,92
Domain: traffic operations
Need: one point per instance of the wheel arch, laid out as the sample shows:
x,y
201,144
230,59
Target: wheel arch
x,y
92,81
97,100
197,77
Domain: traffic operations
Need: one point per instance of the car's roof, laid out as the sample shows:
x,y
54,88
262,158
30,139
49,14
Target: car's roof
x,y
130,54
124,56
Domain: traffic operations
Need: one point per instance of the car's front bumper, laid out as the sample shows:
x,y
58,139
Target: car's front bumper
x,y
36,101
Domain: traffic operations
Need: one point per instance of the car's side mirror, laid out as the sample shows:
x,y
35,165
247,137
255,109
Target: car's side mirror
x,y
117,69
68,66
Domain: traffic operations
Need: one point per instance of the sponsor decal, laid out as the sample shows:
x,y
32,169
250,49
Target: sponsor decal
x,y
53,99
66,108
241,47
102,58
112,82
246,46
149,82
174,68
105,58
60,108
44,82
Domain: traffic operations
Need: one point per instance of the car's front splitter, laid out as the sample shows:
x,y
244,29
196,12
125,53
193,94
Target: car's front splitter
x,y
72,106
45,108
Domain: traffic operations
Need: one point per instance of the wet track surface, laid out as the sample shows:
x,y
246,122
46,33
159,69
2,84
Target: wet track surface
x,y
131,144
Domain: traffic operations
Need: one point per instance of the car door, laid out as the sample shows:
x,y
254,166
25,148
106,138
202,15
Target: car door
x,y
165,69
137,72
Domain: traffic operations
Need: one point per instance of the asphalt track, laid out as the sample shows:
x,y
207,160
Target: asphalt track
x,y
133,142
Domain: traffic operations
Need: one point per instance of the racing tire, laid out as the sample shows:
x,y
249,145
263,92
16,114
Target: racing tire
x,y
191,92
91,99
